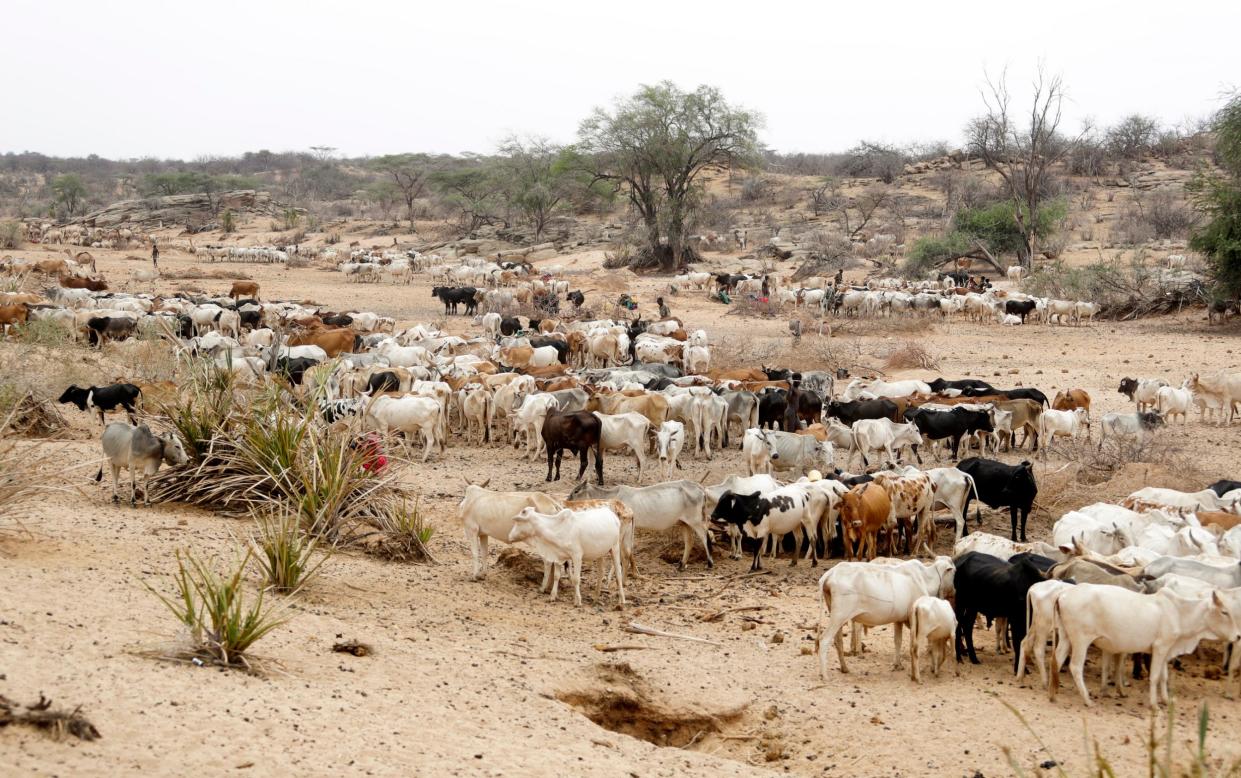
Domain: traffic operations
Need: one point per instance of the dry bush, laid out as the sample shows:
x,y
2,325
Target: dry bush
x,y
1110,473
10,234
910,355
195,273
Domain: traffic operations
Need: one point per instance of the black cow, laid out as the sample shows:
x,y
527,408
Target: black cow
x,y
251,319
1026,393
996,588
772,404
103,398
576,297
1128,386
1022,308
384,381
958,277
751,509
294,369
1001,485
185,326
856,410
455,296
510,325
778,373
579,432
954,424
101,329
1223,487
801,406
336,319
970,387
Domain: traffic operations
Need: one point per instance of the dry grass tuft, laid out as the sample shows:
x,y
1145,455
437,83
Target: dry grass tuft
x,y
1117,470
33,417
39,715
910,355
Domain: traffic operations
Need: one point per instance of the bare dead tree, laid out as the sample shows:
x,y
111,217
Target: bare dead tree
x,y
1023,155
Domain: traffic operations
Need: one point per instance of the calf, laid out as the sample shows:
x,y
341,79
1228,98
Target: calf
x,y
575,537
101,329
1041,601
1141,390
134,447
1000,485
995,588
246,288
408,415
912,497
579,432
931,623
884,435
1072,399
103,398
1053,423
1130,426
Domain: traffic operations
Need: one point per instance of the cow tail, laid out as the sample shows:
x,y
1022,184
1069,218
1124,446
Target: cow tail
x,y
1053,683
99,475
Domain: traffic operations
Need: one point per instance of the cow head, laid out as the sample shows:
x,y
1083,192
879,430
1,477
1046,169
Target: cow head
x,y
1149,420
1130,385
76,395
740,509
173,452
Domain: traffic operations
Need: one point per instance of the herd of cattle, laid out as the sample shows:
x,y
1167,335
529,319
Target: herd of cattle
x,y
1154,575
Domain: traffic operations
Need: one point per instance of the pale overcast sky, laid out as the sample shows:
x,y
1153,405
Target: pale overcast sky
x,y
176,78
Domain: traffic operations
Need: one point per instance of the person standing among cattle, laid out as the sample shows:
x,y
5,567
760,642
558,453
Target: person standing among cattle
x,y
154,253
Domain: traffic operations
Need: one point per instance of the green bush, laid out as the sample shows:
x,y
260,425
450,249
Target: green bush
x,y
223,623
228,223
284,554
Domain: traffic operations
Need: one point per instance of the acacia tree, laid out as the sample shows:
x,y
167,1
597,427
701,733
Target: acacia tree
x,y
473,192
536,180
409,173
70,192
654,145
1023,154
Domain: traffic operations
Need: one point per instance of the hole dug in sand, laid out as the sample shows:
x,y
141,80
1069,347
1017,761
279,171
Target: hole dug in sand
x,y
619,700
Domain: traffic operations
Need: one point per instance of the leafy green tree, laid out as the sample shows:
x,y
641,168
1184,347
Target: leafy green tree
x,y
474,192
409,174
655,145
70,192
176,182
537,180
984,233
1023,155
385,194
1217,193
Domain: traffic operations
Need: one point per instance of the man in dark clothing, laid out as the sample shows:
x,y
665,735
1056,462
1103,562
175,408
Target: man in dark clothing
x,y
154,254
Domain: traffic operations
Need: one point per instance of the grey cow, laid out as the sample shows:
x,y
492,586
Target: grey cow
x,y
135,447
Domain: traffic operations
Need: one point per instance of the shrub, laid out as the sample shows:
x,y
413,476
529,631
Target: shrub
x,y
223,625
10,234
401,532
228,222
284,554
1168,216
910,355
45,332
291,218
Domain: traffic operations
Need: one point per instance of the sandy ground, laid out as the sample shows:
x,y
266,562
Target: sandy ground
x,y
492,679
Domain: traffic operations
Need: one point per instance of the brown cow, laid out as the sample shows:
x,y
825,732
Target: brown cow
x,y
1072,399
93,284
1222,519
13,314
818,431
333,341
547,371
737,374
653,406
247,288
864,512
52,267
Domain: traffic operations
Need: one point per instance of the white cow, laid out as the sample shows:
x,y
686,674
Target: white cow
x,y
669,440
487,514
1171,402
625,430
873,595
879,388
885,435
767,450
528,419
574,537
932,623
1128,426
1164,624
1205,500
1100,535
659,508
1053,423
409,415
1040,622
